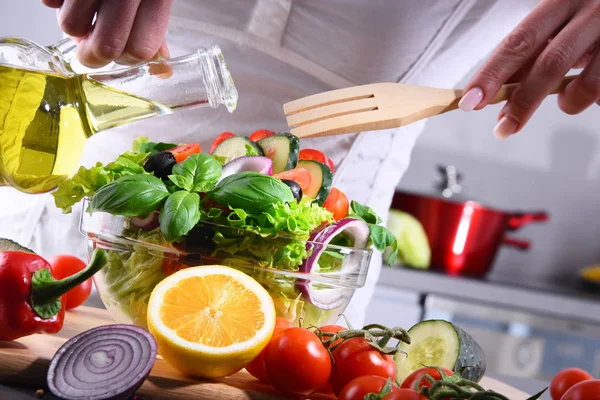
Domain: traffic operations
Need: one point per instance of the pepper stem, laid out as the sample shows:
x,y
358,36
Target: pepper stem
x,y
46,291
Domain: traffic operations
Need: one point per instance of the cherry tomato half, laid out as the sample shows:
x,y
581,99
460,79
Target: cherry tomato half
x,y
337,203
297,363
184,151
260,134
565,379
404,394
219,139
257,367
64,266
299,175
586,390
419,376
354,358
358,388
316,155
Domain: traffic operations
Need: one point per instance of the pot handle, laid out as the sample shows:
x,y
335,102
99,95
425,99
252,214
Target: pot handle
x,y
518,220
522,245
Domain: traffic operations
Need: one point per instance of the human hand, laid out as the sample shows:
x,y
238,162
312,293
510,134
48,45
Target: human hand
x,y
125,31
556,36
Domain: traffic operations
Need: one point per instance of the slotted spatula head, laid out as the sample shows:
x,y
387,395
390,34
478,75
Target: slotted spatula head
x,y
368,107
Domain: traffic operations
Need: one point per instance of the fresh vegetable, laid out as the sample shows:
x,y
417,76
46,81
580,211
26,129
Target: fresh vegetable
x,y
332,329
210,321
181,153
442,344
235,147
586,390
260,134
320,182
32,300
381,238
198,173
147,222
161,164
417,380
257,367
180,214
258,164
565,379
283,149
107,362
219,139
297,363
413,245
316,155
404,394
143,145
299,175
337,203
11,245
64,266
360,387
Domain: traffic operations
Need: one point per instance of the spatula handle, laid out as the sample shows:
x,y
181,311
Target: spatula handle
x,y
507,90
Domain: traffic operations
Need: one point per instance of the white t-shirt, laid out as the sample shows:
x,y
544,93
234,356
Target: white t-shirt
x,y
280,50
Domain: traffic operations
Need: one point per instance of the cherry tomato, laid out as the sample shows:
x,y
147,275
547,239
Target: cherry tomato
x,y
184,151
257,367
565,379
297,363
337,203
219,139
358,388
64,266
299,175
419,376
260,134
354,358
586,390
170,266
404,394
316,155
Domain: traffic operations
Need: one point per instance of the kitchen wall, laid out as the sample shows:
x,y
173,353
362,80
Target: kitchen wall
x,y
552,165
29,19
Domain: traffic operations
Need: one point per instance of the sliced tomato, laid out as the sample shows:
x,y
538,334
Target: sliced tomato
x,y
316,155
299,175
219,139
260,134
184,151
170,266
337,203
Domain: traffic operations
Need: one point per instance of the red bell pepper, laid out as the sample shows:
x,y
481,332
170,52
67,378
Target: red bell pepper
x,y
31,300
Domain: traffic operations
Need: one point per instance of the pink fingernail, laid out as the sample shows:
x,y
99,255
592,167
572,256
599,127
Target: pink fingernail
x,y
471,99
505,127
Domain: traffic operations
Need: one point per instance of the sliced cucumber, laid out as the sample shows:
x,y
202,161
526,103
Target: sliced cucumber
x,y
282,149
235,147
438,343
321,178
10,245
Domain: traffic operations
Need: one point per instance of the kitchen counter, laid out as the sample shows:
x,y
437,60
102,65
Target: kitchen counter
x,y
568,304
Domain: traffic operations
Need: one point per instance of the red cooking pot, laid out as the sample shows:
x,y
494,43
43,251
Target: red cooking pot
x,y
464,235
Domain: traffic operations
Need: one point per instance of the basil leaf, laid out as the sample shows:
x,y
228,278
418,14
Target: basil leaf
x,y
153,148
251,191
365,213
202,169
179,214
182,181
130,195
382,238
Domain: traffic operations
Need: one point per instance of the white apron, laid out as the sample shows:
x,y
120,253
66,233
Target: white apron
x,y
280,50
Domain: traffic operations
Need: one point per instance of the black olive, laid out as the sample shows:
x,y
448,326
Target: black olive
x,y
161,164
200,240
295,188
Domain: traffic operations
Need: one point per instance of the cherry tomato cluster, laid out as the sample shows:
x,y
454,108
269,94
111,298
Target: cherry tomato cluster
x,y
336,201
574,384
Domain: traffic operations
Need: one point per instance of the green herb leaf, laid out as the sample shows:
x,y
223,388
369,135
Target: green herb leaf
x,y
251,191
364,212
154,148
182,181
201,169
179,214
131,196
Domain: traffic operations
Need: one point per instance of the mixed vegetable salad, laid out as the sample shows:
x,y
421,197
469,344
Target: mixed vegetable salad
x,y
257,200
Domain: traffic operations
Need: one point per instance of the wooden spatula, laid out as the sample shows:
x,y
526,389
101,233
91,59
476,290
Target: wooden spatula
x,y
377,106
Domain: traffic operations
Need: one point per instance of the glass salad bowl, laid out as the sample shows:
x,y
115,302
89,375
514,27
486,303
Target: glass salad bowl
x,y
315,287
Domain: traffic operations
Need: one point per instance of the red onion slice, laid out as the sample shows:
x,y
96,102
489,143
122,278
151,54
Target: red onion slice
x,y
148,222
259,164
109,362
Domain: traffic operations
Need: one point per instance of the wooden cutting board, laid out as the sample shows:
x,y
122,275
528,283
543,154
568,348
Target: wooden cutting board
x,y
25,362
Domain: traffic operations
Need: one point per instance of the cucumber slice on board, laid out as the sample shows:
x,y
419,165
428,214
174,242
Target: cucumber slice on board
x,y
439,343
321,178
235,147
282,149
10,245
